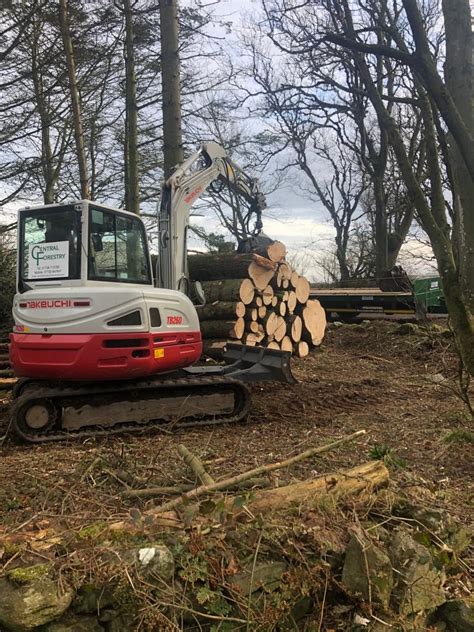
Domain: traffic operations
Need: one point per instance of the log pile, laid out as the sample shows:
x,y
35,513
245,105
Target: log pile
x,y
256,299
7,379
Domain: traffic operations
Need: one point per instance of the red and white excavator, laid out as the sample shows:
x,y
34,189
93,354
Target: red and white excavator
x,y
103,350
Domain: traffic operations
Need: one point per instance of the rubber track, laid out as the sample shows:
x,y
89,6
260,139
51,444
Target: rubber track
x,y
32,391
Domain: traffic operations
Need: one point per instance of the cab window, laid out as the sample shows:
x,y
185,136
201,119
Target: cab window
x,y
117,248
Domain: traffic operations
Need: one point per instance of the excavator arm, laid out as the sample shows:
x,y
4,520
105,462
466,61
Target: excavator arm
x,y
208,165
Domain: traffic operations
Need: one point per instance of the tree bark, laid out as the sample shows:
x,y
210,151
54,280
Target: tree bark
x,y
132,183
172,133
309,493
75,100
212,267
381,228
223,328
459,74
229,290
220,310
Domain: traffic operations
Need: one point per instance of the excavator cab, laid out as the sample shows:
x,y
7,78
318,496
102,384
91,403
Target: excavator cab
x,y
66,245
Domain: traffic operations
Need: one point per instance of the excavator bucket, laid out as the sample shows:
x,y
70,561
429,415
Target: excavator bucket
x,y
250,364
257,364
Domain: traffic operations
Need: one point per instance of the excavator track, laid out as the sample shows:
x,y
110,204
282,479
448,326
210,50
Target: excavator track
x,y
44,411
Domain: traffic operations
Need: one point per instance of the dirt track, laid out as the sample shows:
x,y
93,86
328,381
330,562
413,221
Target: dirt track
x,y
364,376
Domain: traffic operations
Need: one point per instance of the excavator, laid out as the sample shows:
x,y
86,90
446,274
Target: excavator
x,y
100,347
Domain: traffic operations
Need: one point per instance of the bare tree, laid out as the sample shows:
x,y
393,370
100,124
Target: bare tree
x,y
433,96
172,132
321,87
75,100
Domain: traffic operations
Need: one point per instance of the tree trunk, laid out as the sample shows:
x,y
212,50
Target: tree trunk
x,y
260,276
302,290
296,327
432,218
229,290
425,65
221,310
311,492
397,239
172,133
211,267
302,349
46,150
286,344
280,331
223,328
314,323
75,100
132,188
214,348
459,74
381,229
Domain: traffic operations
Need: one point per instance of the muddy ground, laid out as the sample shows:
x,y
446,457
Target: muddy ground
x,y
363,377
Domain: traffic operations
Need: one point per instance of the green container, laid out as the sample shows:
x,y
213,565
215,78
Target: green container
x,y
429,292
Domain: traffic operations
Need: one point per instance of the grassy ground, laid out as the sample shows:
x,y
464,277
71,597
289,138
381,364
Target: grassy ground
x,y
364,376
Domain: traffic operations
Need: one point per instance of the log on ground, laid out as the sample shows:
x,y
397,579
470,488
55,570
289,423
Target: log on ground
x,y
229,290
302,349
260,276
221,310
223,328
214,349
314,323
309,493
213,267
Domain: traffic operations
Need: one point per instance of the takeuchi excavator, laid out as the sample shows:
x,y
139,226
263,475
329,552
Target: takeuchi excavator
x,y
100,348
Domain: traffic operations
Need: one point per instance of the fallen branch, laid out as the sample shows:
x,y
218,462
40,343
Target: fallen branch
x,y
150,492
368,475
263,469
195,464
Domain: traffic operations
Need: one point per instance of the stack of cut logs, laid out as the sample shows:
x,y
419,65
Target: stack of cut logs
x,y
256,299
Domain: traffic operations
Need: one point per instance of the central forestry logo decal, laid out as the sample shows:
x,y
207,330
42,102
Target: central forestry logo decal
x,y
48,261
49,252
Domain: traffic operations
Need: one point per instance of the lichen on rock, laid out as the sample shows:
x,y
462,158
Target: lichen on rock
x,y
367,570
419,585
33,602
